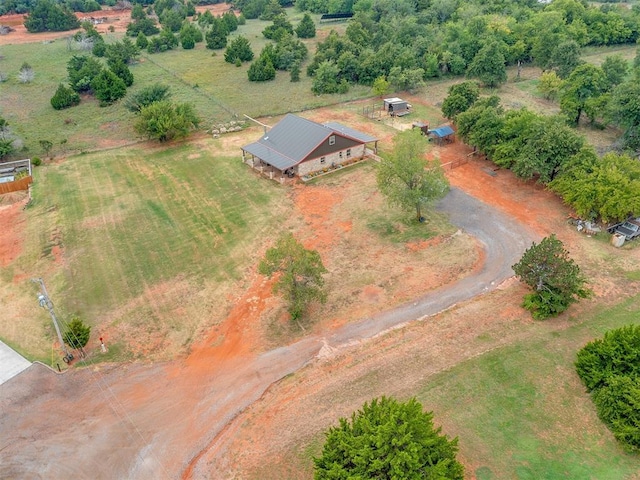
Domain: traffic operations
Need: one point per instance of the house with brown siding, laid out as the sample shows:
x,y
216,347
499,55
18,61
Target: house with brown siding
x,y
296,146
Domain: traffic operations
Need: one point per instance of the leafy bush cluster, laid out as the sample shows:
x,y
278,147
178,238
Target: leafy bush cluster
x,y
610,369
158,117
545,148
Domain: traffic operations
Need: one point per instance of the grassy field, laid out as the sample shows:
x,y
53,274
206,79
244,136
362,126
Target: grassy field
x,y
220,91
173,227
521,412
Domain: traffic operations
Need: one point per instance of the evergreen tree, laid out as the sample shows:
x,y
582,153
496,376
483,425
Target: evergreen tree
x,y
64,97
306,28
388,439
238,49
261,70
108,87
48,16
122,71
216,37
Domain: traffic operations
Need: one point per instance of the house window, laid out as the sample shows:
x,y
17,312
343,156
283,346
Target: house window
x,y
348,152
322,159
340,154
332,140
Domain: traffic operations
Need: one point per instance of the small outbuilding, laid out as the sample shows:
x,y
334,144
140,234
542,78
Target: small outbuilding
x,y
423,126
442,134
396,107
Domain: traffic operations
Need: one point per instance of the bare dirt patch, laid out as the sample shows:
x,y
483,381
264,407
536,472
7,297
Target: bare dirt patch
x,y
12,232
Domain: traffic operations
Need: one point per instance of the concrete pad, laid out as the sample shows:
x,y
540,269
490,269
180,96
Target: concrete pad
x,y
11,363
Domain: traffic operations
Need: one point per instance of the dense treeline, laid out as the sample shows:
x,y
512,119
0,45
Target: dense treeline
x,y
547,149
27,6
409,41
468,37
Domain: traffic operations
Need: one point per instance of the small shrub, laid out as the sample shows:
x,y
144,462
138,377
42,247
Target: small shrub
x,y
36,161
64,97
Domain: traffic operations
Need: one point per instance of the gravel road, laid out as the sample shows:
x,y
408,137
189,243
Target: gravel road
x,y
158,421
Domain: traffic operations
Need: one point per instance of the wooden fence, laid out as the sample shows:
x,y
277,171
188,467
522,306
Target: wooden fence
x,y
456,163
15,186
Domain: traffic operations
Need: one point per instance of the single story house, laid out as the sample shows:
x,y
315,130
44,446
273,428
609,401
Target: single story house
x,y
296,146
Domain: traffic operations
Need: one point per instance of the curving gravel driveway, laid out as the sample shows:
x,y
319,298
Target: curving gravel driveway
x,y
86,425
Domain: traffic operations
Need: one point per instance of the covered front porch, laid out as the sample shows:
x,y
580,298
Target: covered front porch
x,y
265,169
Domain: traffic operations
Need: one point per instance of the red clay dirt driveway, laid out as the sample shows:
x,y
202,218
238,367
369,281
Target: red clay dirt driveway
x,y
165,420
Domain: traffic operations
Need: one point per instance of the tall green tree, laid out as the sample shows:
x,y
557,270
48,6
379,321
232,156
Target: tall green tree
x,y
238,49
549,85
461,97
488,65
585,82
624,110
300,274
565,58
406,179
81,71
64,97
306,28
556,280
216,37
615,69
108,87
6,141
388,439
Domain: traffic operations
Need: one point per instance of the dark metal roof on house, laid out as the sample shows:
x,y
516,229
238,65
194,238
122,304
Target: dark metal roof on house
x,y
350,132
293,138
441,132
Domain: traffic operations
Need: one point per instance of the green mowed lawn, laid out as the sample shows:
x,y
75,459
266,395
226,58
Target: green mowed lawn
x,y
520,411
129,219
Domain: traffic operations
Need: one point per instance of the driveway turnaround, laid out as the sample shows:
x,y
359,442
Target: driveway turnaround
x,y
11,363
170,420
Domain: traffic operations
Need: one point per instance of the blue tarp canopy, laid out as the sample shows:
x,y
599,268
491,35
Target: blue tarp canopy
x,y
442,132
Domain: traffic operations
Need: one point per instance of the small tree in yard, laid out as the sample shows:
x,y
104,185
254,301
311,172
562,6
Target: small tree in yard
x,y
556,280
306,28
26,74
108,87
406,178
165,121
388,439
153,93
64,97
300,274
238,49
77,334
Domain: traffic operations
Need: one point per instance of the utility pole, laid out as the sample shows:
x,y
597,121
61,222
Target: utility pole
x,y
45,302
